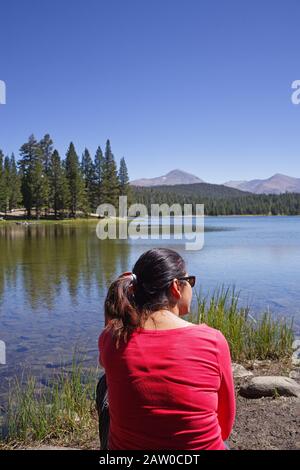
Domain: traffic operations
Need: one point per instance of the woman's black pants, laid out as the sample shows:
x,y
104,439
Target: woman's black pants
x,y
103,411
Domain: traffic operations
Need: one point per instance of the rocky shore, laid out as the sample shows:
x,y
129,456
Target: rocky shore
x,y
268,405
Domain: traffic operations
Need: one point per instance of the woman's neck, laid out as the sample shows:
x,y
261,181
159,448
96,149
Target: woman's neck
x,y
172,310
164,319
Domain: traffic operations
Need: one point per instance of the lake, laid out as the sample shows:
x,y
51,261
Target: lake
x,y
53,280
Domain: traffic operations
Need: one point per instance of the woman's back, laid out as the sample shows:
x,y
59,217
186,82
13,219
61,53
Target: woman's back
x,y
169,389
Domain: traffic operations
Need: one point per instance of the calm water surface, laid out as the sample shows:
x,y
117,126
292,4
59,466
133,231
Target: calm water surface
x,y
53,279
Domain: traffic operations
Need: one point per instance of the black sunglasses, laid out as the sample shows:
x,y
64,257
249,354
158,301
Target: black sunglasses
x,y
190,279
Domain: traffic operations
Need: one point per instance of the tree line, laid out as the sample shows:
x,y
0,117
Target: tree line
x,y
223,202
43,182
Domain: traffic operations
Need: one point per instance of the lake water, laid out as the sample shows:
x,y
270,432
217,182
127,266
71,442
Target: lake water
x,y
53,280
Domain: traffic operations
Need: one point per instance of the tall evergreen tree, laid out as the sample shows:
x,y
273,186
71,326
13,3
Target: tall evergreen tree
x,y
46,145
99,170
34,185
110,181
89,177
3,187
124,181
12,183
75,181
15,195
59,189
40,187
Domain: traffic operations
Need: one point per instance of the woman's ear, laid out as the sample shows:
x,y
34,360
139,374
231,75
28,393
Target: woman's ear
x,y
175,289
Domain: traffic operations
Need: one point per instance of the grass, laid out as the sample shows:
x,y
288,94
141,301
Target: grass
x,y
249,338
64,413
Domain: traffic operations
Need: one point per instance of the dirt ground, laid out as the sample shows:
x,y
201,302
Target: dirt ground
x,y
266,423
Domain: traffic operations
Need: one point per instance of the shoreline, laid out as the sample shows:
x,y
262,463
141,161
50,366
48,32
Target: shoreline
x,y
66,221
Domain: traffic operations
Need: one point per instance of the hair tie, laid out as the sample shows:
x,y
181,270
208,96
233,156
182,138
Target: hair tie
x,y
134,278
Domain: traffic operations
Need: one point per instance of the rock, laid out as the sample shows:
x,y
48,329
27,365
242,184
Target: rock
x,y
262,363
295,373
21,349
269,386
239,372
296,344
296,358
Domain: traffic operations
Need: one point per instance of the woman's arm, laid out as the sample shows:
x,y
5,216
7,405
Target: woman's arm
x,y
226,395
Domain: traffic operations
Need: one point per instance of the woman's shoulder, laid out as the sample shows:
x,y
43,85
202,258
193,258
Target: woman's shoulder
x,y
210,333
205,328
210,329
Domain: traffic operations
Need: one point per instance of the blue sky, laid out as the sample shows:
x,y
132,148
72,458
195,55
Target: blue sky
x,y
204,86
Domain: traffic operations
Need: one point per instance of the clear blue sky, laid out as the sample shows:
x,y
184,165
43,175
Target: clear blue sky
x,y
204,86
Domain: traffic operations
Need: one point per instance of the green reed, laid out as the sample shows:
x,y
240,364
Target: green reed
x,y
249,337
66,406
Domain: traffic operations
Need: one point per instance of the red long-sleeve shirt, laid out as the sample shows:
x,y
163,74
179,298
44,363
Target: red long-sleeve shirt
x,y
169,389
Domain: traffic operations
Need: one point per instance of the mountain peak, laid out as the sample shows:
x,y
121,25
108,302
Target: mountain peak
x,y
171,178
276,184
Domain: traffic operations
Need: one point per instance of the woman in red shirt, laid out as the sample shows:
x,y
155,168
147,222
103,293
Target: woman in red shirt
x,y
170,383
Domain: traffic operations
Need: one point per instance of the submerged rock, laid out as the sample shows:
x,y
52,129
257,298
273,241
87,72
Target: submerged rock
x,y
269,386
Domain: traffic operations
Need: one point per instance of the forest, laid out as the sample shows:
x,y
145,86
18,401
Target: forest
x,y
49,186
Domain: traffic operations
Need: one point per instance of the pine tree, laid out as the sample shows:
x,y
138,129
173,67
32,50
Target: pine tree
x,y
99,170
3,188
78,200
59,190
12,183
110,181
124,181
34,185
46,145
40,186
88,172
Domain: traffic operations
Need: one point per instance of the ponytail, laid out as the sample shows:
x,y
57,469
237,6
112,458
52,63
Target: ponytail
x,y
120,312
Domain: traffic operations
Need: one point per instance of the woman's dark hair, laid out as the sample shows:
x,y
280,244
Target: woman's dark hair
x,y
131,299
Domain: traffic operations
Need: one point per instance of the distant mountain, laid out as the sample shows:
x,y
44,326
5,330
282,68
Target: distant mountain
x,y
277,184
170,179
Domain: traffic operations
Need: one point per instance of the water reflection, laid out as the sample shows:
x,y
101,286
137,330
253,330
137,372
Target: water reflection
x,y
40,259
53,279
